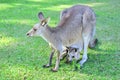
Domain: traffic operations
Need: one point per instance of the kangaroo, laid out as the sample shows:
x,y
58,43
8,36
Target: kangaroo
x,y
76,24
73,53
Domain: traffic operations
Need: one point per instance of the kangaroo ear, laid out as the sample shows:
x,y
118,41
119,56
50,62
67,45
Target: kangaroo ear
x,y
45,21
40,16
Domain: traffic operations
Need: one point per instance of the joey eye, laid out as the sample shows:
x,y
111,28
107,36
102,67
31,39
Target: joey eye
x,y
35,29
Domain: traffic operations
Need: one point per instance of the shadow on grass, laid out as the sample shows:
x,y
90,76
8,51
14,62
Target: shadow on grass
x,y
23,14
101,63
31,8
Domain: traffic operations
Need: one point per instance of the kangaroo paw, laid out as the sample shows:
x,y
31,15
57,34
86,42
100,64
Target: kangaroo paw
x,y
46,66
68,62
53,70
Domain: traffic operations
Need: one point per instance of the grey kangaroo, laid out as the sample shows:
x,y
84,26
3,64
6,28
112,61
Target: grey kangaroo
x,y
76,25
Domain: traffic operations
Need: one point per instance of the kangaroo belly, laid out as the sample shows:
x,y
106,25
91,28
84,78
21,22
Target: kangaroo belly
x,y
68,41
71,36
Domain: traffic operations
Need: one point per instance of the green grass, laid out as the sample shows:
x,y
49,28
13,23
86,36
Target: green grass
x,y
21,58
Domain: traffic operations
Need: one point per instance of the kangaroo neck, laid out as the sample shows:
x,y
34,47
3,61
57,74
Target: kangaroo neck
x,y
49,34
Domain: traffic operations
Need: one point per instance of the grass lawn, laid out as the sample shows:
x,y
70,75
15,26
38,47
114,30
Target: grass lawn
x,y
21,58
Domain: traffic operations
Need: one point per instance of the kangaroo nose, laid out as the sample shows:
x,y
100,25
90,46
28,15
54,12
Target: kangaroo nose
x,y
27,34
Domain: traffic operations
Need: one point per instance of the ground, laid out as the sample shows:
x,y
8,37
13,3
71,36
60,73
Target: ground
x,y
21,58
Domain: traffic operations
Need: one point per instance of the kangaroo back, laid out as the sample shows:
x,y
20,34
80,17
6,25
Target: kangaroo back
x,y
77,15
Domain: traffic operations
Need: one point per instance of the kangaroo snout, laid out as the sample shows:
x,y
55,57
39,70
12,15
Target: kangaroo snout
x,y
28,34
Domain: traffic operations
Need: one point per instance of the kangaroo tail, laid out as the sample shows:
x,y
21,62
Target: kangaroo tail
x,y
93,43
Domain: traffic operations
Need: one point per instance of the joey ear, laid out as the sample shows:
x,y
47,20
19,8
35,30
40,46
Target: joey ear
x,y
40,16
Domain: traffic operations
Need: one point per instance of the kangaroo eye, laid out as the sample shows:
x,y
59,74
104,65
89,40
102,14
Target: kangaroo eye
x,y
35,29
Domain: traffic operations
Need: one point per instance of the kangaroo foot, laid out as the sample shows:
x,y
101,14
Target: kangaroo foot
x,y
46,66
53,70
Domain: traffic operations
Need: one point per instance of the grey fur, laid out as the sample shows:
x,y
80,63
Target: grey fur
x,y
76,28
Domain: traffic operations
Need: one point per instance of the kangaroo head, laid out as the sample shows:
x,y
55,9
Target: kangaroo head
x,y
71,52
38,27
